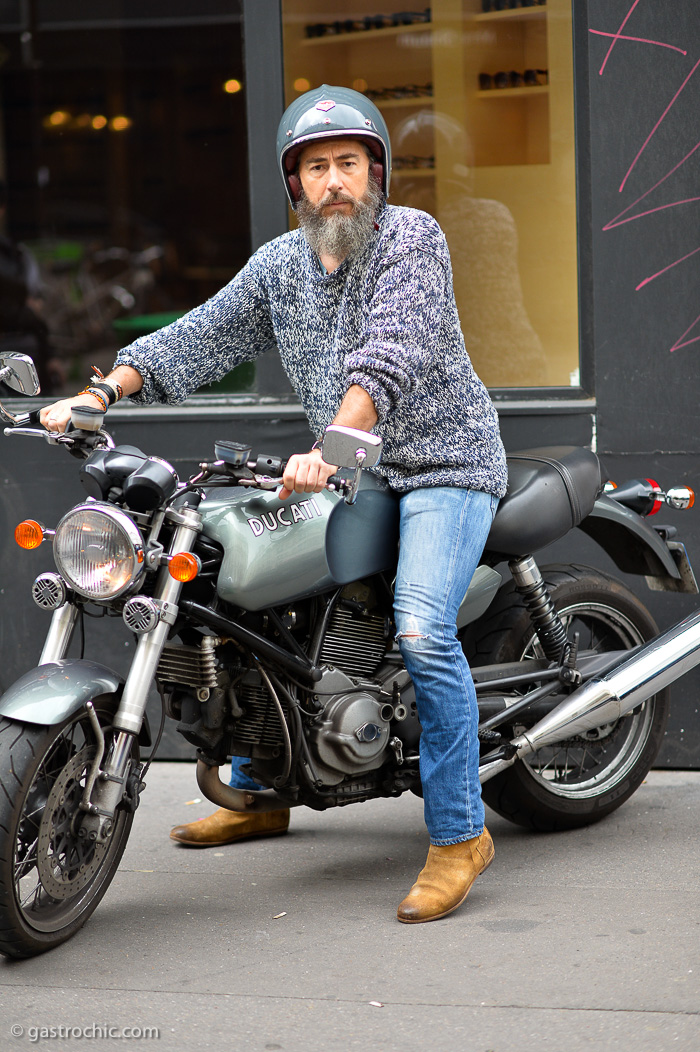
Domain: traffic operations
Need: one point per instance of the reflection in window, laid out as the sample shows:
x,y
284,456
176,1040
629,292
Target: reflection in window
x,y
123,151
478,97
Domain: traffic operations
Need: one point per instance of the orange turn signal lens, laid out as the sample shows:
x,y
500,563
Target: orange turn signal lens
x,y
29,534
184,567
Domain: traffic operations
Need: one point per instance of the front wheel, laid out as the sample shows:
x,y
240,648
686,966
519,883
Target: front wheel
x,y
51,879
582,779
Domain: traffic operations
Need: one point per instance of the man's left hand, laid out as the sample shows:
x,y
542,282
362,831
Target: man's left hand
x,y
306,473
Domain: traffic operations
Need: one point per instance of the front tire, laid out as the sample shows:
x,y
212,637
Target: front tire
x,y
583,779
51,880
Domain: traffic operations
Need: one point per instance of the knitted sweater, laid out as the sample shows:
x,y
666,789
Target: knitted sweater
x,y
385,319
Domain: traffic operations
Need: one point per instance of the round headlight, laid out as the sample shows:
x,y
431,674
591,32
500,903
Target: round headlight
x,y
98,550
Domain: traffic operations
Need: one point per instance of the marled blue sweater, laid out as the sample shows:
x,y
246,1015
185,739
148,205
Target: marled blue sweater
x,y
385,320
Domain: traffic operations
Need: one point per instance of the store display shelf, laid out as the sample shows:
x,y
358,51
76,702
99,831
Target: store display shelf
x,y
397,173
366,34
518,14
395,104
509,93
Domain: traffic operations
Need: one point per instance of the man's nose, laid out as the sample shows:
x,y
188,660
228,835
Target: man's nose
x,y
335,178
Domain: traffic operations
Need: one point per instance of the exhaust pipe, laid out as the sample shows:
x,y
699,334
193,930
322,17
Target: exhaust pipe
x,y
608,698
237,799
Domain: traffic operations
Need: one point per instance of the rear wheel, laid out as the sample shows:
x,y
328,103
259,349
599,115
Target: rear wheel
x,y
580,780
51,879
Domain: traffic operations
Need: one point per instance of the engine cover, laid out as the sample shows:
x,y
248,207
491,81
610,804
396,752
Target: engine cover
x,y
352,733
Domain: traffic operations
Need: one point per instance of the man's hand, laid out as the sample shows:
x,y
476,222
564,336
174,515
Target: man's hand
x,y
306,473
56,417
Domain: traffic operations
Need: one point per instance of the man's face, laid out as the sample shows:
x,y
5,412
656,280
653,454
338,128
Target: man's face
x,y
334,174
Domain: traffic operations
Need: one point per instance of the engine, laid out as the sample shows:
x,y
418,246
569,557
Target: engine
x,y
363,708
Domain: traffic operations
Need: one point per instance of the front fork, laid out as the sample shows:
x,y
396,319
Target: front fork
x,y
106,787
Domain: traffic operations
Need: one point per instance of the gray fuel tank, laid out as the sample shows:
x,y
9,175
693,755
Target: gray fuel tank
x,y
276,551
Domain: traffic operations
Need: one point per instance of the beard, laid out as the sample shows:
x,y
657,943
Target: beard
x,y
337,235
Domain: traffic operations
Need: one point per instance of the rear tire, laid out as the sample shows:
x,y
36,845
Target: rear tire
x,y
581,780
50,879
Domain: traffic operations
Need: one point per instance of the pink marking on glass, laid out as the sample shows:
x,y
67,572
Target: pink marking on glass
x,y
657,125
616,36
678,344
619,221
669,267
639,40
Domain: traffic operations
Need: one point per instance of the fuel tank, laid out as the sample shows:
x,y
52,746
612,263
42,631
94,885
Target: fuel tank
x,y
276,551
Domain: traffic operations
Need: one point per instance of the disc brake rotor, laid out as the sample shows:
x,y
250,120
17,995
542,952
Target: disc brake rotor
x,y
66,862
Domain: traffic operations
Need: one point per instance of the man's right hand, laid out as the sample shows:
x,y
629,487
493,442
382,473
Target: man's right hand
x,y
56,417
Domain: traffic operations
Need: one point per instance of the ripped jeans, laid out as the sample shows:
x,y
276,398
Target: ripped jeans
x,y
443,530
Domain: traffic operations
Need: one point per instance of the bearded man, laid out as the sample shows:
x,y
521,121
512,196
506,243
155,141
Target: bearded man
x,y
359,301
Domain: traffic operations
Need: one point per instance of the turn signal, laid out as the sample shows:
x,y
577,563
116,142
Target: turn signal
x,y
184,567
29,534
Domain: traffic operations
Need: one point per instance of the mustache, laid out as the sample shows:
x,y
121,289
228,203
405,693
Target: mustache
x,y
334,197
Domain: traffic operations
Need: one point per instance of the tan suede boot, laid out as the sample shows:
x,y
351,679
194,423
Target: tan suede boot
x,y
224,827
444,882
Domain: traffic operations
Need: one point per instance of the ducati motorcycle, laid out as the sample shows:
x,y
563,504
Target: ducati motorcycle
x,y
267,628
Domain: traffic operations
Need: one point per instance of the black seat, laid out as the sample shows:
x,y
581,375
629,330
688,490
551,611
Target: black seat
x,y
550,490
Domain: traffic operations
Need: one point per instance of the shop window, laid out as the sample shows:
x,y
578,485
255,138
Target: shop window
x,y
123,150
478,97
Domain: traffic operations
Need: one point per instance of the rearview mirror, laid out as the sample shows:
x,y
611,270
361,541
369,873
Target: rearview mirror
x,y
349,448
18,372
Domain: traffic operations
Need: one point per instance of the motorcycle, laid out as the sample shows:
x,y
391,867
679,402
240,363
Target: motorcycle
x,y
267,628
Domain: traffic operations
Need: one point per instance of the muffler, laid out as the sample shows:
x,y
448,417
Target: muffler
x,y
607,698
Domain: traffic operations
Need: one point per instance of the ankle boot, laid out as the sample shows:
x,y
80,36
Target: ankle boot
x,y
224,827
444,882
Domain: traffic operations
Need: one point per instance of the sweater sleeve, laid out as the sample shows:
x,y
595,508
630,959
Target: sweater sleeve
x,y
402,330
233,327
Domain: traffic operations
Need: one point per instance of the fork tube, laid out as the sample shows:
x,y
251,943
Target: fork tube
x,y
150,647
60,633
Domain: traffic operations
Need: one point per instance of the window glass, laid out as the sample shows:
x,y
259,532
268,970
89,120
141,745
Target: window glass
x,y
123,155
478,97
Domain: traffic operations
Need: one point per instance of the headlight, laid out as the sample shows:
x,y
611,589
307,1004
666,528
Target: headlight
x,y
98,550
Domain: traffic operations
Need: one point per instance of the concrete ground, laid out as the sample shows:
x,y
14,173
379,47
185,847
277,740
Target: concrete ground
x,y
588,940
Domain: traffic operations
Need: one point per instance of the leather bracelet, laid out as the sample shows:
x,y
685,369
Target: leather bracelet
x,y
116,389
107,390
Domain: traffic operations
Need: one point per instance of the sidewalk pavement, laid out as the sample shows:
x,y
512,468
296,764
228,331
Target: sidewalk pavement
x,y
586,941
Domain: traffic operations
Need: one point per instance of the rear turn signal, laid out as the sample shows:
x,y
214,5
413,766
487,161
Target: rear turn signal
x,y
29,534
184,567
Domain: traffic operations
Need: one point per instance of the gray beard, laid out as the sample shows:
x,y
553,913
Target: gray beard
x,y
340,236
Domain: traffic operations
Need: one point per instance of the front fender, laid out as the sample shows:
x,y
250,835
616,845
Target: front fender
x,y
52,692
636,548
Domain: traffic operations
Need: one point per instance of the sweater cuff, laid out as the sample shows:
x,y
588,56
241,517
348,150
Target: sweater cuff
x,y
378,394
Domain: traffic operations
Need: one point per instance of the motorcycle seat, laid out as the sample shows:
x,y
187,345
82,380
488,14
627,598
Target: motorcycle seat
x,y
550,491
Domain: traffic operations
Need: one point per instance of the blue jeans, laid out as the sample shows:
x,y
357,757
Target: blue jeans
x,y
443,531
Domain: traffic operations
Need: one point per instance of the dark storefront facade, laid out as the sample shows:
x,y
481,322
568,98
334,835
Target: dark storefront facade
x,y
555,143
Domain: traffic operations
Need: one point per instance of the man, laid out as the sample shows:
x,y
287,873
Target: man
x,y
360,303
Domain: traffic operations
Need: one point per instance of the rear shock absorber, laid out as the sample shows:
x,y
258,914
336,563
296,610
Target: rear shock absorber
x,y
547,623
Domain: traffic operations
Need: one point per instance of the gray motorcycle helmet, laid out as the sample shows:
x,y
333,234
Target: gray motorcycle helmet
x,y
331,113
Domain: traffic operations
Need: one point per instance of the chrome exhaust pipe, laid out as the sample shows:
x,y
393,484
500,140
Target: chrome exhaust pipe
x,y
608,698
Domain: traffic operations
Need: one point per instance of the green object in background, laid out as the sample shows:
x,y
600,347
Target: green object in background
x,y
143,324
239,380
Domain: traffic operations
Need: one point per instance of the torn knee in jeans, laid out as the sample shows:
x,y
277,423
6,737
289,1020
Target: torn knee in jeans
x,y
412,633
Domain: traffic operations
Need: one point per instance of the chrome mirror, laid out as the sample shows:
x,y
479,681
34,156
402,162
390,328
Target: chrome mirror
x,y
350,448
18,372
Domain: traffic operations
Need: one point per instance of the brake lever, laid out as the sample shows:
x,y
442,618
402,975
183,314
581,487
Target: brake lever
x,y
53,438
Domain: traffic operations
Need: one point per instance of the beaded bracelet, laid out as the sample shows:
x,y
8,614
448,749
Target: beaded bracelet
x,y
96,394
107,390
